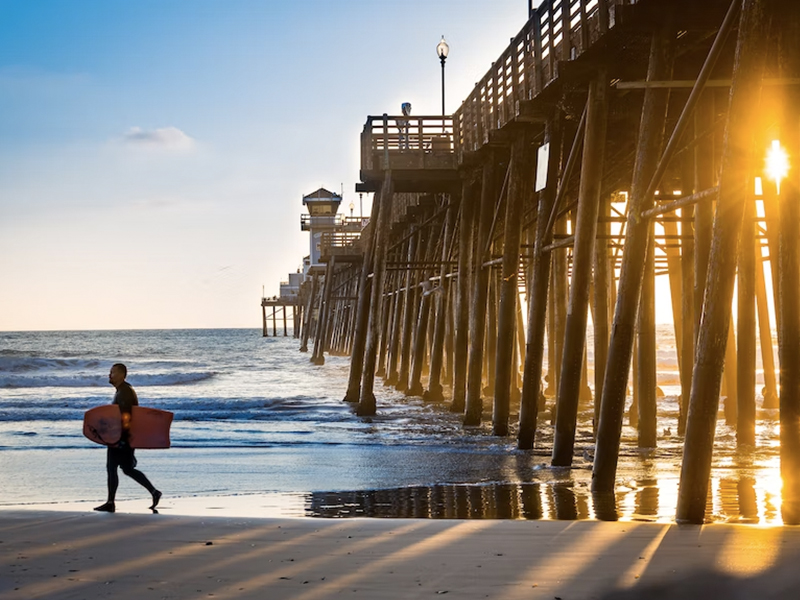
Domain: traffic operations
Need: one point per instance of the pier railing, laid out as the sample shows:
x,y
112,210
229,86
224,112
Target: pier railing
x,y
342,245
309,221
354,224
338,222
558,30
409,143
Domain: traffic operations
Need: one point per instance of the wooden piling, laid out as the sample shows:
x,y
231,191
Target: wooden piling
x,y
479,297
490,348
424,291
418,351
602,283
367,403
308,313
746,330
537,303
733,193
772,220
682,261
550,376
687,312
646,350
461,319
409,314
386,314
765,333
395,328
520,341
434,393
729,384
560,293
362,310
633,412
651,133
582,260
672,252
318,355
787,19
522,167
449,338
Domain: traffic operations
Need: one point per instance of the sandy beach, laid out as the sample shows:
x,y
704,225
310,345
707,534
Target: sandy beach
x,y
85,555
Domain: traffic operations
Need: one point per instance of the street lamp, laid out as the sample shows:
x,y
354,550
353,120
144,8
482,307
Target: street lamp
x,y
442,50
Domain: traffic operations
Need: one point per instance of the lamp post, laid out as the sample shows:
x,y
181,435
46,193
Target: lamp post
x,y
442,50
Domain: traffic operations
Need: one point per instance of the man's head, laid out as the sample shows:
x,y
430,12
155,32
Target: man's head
x,y
117,374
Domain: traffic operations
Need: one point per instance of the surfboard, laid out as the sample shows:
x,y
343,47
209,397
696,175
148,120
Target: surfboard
x,y
103,424
149,427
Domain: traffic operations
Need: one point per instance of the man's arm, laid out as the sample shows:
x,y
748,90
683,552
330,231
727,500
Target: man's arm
x,y
126,399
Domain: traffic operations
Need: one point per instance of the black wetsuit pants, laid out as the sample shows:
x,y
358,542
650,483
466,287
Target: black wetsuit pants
x,y
122,456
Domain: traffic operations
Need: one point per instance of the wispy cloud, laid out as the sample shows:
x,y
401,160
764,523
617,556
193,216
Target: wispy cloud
x,y
168,138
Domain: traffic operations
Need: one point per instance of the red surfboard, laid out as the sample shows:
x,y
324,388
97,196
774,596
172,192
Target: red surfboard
x,y
149,426
103,424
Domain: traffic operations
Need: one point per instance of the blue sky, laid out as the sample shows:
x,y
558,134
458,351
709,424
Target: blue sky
x,y
153,154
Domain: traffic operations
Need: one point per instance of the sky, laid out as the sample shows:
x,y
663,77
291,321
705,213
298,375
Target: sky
x,y
154,154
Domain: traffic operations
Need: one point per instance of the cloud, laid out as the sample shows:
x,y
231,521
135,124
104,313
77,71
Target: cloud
x,y
168,138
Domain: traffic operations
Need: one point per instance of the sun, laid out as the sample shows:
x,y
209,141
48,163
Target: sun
x,y
777,163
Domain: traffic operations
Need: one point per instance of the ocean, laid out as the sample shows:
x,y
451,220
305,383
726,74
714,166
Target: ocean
x,y
260,431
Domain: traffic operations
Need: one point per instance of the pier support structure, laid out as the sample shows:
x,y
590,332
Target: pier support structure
x,y
495,193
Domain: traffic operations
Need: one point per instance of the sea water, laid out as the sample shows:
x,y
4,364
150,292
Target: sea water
x,y
254,419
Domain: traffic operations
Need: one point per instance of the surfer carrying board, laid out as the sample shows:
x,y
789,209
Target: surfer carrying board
x,y
122,454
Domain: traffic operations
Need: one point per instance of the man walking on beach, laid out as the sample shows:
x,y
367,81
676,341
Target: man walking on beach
x,y
121,455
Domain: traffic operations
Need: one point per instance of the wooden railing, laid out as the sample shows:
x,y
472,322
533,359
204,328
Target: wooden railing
x,y
309,221
354,224
340,244
558,30
408,139
339,222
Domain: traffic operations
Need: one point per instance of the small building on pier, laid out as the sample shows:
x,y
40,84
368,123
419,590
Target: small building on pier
x,y
332,237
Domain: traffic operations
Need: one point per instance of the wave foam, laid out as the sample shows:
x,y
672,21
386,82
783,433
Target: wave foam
x,y
82,380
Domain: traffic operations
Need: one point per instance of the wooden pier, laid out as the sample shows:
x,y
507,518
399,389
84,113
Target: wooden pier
x,y
283,307
611,143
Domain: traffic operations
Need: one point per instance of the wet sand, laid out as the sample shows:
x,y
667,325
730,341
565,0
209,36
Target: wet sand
x,y
51,554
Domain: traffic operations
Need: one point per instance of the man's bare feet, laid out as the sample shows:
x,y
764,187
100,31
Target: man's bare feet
x,y
156,499
107,507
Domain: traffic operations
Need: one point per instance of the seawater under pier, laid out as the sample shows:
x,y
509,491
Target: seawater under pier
x,y
612,143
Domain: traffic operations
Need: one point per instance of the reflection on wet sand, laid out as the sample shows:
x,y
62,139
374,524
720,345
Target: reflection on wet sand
x,y
730,500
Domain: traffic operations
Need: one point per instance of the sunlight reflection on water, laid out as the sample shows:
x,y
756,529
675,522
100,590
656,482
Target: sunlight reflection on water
x,y
731,500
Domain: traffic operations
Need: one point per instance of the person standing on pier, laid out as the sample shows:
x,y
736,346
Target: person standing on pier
x,y
403,125
122,454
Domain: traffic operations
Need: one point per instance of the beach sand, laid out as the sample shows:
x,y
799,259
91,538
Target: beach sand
x,y
61,554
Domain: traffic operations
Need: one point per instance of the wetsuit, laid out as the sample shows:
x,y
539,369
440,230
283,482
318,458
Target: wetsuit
x,y
122,454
